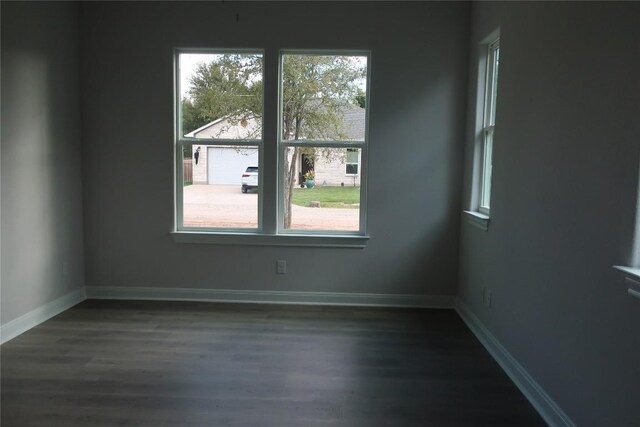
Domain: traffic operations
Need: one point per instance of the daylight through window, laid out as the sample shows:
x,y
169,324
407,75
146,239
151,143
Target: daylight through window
x,y
489,121
219,139
323,132
322,141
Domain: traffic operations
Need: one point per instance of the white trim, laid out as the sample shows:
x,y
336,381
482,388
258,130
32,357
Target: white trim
x,y
270,297
22,324
632,274
261,239
478,219
537,396
336,143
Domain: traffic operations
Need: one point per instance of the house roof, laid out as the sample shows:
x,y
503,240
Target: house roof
x,y
193,133
353,123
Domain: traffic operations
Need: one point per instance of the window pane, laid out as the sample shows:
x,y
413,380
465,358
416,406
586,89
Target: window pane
x,y
323,97
220,186
319,194
221,95
494,56
352,155
353,161
486,169
351,169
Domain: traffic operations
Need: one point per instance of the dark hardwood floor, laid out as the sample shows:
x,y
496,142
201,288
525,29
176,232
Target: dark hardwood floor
x,y
135,363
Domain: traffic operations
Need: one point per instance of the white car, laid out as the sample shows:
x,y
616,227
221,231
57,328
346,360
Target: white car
x,y
250,179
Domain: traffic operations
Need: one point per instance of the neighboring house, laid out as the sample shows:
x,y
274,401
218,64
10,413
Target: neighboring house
x,y
225,165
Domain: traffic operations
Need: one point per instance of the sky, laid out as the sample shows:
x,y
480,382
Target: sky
x,y
189,61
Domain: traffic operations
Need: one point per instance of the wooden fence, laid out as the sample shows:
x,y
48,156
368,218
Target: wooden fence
x,y
187,170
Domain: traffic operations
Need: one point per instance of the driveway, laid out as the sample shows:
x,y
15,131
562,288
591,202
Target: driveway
x,y
227,206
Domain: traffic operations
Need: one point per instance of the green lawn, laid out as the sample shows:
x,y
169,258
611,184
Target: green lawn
x,y
329,197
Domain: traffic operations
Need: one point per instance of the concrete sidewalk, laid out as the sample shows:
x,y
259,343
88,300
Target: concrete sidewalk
x,y
227,206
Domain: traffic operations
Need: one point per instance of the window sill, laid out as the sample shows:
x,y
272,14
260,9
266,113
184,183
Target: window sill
x,y
633,277
256,239
478,220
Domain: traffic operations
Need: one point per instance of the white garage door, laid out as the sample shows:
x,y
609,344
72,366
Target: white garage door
x,y
227,164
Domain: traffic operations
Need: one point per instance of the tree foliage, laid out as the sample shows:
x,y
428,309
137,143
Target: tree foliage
x,y
315,91
361,98
229,86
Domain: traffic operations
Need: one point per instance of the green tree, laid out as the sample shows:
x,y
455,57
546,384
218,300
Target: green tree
x,y
229,86
361,98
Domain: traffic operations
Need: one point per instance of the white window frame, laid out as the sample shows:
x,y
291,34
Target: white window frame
x,y
480,203
181,142
488,124
269,233
284,144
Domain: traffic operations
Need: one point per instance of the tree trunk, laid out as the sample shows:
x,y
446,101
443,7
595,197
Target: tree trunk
x,y
289,183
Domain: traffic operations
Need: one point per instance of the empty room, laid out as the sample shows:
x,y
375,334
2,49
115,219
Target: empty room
x,y
358,214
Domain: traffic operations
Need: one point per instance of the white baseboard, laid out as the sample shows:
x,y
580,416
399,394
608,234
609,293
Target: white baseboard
x,y
270,297
33,318
541,401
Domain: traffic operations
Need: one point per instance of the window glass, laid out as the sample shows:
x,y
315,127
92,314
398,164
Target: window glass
x,y
494,61
221,95
220,186
323,197
352,161
490,102
219,125
321,143
323,97
486,169
323,111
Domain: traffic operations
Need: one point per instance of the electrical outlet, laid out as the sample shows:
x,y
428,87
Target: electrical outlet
x,y
281,266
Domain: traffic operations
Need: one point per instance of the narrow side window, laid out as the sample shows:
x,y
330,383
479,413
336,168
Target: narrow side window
x,y
488,124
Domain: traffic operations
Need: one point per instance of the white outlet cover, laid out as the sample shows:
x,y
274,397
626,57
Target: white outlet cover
x,y
281,266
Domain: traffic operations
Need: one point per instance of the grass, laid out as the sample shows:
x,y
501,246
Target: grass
x,y
329,197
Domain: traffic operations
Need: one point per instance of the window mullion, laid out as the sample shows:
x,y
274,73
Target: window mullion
x,y
270,169
222,142
323,143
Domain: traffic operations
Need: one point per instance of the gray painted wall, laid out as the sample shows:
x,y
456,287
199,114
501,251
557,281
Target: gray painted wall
x,y
418,101
563,203
41,159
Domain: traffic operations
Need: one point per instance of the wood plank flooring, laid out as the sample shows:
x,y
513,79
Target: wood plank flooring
x,y
143,363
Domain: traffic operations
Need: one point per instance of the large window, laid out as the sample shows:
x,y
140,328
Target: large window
x,y
489,122
318,146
